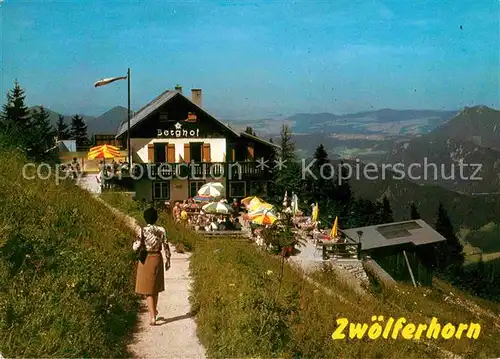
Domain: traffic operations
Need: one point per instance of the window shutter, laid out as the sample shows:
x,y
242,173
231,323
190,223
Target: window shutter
x,y
187,153
151,153
171,153
250,152
206,152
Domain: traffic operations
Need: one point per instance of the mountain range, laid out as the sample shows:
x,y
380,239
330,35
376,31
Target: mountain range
x,y
385,122
472,137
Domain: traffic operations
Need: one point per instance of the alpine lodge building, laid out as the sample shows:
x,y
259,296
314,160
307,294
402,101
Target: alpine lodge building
x,y
176,147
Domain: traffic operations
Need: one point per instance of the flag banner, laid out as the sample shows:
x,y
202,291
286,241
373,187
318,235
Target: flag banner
x,y
108,81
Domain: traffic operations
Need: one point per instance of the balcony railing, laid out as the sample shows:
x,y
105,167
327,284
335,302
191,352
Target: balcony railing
x,y
201,170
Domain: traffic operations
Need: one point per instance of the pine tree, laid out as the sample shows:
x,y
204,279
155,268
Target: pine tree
x,y
385,211
79,131
62,129
343,192
287,152
414,212
289,177
250,130
450,257
42,135
15,119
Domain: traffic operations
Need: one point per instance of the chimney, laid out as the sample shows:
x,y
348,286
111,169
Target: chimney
x,y
196,96
178,88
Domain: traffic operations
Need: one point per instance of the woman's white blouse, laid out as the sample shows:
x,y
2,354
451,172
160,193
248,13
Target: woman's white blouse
x,y
154,238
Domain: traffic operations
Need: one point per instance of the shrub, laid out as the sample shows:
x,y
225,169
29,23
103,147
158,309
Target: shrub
x,y
66,270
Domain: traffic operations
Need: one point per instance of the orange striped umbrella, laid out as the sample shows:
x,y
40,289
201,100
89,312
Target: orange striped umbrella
x,y
104,151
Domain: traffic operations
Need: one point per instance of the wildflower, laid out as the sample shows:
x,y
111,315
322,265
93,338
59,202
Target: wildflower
x,y
269,272
232,284
425,295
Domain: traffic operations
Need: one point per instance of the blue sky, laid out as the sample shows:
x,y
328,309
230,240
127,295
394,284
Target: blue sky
x,y
255,59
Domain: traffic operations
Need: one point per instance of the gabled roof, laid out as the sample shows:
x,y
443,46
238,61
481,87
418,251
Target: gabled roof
x,y
166,96
258,139
415,232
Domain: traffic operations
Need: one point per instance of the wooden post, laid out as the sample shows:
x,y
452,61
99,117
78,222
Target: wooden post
x,y
409,269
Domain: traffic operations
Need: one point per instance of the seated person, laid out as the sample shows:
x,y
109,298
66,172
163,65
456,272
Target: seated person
x,y
184,215
237,225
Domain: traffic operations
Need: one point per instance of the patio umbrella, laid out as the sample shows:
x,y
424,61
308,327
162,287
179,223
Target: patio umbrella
x,y
315,213
285,199
212,189
203,198
265,218
246,201
254,203
217,207
335,229
260,208
104,151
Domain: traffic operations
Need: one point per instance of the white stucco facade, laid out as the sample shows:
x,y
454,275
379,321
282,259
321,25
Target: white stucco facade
x,y
217,147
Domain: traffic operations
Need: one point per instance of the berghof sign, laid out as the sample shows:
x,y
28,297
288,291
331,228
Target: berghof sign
x,y
178,132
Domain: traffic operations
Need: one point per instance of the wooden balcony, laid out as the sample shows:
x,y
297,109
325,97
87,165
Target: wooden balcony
x,y
235,171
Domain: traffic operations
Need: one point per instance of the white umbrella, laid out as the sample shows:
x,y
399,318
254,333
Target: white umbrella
x,y
212,190
217,207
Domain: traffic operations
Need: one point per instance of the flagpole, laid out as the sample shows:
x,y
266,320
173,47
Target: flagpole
x,y
128,122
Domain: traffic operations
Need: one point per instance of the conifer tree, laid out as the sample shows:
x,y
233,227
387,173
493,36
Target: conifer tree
x,y
250,130
385,211
449,256
79,131
288,178
62,129
42,135
15,120
343,192
414,212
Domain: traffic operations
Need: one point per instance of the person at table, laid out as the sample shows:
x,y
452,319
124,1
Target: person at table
x,y
184,216
237,224
235,206
176,212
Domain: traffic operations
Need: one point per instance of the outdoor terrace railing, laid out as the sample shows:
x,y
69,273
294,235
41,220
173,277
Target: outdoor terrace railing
x,y
200,170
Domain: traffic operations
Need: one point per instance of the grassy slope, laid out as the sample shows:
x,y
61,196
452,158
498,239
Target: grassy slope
x,y
66,270
234,295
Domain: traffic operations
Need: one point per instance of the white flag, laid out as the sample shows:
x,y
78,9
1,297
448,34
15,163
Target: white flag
x,y
108,81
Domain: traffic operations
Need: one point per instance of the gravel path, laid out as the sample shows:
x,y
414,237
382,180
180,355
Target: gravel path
x,y
175,334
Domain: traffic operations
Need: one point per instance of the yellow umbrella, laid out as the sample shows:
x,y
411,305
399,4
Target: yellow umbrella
x,y
246,201
315,213
254,203
265,218
260,207
335,228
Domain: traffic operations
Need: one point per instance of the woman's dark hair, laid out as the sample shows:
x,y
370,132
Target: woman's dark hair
x,y
151,215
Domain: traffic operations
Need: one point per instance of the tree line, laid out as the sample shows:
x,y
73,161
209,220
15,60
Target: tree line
x,y
31,130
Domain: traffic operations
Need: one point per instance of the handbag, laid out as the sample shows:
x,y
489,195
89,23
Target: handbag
x,y
142,252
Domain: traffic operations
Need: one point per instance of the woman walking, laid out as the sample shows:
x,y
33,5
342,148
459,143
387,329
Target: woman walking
x,y
150,278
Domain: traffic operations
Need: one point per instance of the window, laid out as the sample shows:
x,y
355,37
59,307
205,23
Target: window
x,y
256,188
237,189
160,152
194,187
161,190
195,149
